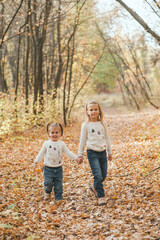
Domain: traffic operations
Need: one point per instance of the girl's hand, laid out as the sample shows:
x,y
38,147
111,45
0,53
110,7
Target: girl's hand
x,y
110,157
34,166
79,160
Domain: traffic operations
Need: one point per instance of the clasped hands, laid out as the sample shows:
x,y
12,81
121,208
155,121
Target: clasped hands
x,y
80,159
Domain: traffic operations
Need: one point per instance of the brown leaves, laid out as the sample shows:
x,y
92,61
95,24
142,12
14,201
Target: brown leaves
x,y
132,188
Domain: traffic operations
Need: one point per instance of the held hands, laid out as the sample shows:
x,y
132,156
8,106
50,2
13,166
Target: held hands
x,y
79,160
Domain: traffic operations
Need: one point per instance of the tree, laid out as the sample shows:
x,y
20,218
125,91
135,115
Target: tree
x,y
69,62
3,33
140,20
131,75
39,23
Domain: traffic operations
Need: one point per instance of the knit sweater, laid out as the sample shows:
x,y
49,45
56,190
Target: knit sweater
x,y
95,137
52,153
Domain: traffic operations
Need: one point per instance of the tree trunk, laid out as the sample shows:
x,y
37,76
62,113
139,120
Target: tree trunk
x,y
27,57
60,62
40,78
17,76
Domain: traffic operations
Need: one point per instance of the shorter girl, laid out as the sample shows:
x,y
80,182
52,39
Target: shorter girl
x,y
94,134
52,153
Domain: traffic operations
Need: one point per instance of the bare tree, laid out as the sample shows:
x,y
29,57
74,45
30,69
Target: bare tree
x,y
38,30
69,63
3,33
135,70
27,54
59,40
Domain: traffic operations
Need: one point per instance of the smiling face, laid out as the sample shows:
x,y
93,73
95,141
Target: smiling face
x,y
93,112
55,133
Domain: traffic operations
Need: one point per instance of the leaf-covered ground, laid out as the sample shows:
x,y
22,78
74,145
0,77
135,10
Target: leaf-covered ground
x,y
132,186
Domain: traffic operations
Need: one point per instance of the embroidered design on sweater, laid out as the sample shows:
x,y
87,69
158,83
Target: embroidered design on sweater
x,y
98,133
55,155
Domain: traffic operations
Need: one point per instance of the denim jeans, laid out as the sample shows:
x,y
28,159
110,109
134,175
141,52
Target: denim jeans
x,y
98,163
53,177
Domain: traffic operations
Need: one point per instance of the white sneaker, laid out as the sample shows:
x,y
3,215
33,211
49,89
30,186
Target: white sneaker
x,y
47,196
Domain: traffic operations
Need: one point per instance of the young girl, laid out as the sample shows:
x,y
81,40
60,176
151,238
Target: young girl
x,y
52,152
94,134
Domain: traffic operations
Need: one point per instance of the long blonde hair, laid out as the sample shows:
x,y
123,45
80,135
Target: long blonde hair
x,y
100,117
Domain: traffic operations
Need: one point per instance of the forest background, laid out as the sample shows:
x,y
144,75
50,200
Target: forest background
x,y
54,56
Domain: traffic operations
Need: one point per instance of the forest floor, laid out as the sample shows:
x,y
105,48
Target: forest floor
x,y
132,186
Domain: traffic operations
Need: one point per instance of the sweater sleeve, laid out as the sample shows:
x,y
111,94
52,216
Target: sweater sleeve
x,y
68,153
107,139
83,139
41,153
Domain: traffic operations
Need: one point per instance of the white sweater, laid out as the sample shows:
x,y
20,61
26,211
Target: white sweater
x,y
95,137
52,153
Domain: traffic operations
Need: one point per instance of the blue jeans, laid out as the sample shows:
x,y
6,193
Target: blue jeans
x,y
53,177
98,163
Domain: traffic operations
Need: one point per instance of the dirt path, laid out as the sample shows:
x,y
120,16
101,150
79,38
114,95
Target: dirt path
x,y
132,186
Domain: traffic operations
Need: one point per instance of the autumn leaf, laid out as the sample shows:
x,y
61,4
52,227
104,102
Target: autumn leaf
x,y
131,187
5,226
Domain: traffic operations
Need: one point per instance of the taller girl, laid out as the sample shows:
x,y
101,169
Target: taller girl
x,y
94,135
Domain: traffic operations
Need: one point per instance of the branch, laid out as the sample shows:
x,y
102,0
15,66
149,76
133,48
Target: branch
x,y
86,80
154,169
10,23
140,20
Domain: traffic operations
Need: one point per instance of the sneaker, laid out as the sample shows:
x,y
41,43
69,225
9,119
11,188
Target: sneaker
x,y
47,196
94,191
101,201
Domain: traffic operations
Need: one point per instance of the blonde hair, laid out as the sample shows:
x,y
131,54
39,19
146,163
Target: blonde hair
x,y
100,117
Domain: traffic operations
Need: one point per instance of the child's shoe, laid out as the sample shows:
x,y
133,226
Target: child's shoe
x,y
94,191
101,201
47,196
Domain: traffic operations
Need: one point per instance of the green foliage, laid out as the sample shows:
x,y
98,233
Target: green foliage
x,y
14,118
105,75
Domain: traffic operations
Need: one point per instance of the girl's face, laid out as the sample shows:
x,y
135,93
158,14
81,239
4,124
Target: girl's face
x,y
93,112
55,133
